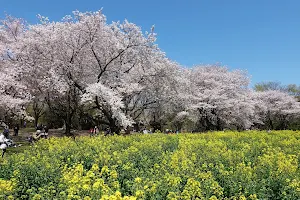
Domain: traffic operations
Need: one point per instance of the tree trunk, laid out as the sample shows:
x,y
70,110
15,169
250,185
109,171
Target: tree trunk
x,y
37,111
112,122
115,129
68,123
36,120
271,126
219,124
68,127
68,120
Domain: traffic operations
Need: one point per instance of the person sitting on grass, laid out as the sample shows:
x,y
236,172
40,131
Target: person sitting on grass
x,y
107,132
35,136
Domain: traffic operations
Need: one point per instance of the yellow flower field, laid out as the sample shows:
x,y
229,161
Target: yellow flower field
x,y
216,165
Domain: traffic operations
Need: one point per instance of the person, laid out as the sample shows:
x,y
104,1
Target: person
x,y
145,131
95,130
4,141
3,145
25,124
38,127
107,131
16,130
91,131
35,136
46,130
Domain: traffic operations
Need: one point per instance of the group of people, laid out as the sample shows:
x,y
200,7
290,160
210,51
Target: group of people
x,y
5,141
94,131
167,131
42,131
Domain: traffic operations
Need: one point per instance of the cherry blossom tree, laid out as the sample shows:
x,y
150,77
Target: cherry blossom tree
x,y
110,65
217,98
279,108
13,94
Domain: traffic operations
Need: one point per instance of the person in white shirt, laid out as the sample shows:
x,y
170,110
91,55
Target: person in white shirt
x,y
3,143
145,131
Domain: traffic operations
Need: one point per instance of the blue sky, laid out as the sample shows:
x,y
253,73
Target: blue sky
x,y
260,36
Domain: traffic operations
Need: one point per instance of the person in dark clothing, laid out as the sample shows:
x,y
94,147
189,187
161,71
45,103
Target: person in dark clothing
x,y
107,132
16,130
46,129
